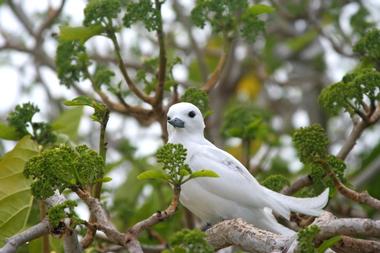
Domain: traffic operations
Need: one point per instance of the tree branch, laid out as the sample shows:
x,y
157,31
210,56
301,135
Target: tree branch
x,y
214,78
249,238
132,86
162,59
30,234
154,218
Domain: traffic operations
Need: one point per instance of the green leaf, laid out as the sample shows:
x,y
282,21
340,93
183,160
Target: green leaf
x,y
15,196
261,9
81,33
203,173
104,179
101,110
8,133
68,122
79,101
153,174
329,243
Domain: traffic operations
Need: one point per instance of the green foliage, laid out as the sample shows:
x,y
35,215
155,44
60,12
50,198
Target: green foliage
x,y
349,94
63,167
71,61
58,213
337,166
359,21
275,182
143,11
230,16
189,241
329,243
21,118
101,111
101,11
368,46
305,239
67,123
15,196
102,76
175,170
8,132
199,98
251,26
79,33
247,122
311,143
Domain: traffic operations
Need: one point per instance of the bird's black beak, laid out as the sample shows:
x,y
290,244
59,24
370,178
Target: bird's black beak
x,y
176,122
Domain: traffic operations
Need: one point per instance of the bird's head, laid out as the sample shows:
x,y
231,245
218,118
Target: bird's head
x,y
185,118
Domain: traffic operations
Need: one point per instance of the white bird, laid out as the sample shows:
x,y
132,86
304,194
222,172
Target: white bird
x,y
235,193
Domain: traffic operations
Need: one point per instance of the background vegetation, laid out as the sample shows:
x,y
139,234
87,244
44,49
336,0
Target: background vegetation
x,y
103,73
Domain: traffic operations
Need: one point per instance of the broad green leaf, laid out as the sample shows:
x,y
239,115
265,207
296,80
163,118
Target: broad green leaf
x,y
8,132
15,196
329,243
203,173
153,174
68,122
81,33
258,9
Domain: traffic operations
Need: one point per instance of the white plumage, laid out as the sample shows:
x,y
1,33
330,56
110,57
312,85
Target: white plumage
x,y
235,193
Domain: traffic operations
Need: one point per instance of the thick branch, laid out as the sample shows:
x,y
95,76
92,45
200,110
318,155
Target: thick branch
x,y
350,142
361,197
31,233
249,238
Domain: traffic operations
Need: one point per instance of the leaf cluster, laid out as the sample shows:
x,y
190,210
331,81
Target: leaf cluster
x,y
247,122
143,11
199,98
359,21
21,119
174,167
71,61
101,12
350,93
311,143
101,112
275,182
368,47
189,241
58,213
63,167
230,17
305,239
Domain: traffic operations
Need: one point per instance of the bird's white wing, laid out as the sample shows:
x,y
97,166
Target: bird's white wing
x,y
235,183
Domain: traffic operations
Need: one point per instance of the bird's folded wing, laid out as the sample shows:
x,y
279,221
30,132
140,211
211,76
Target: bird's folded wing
x,y
234,183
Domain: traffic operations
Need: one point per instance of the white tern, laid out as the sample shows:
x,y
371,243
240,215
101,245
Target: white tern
x,y
235,193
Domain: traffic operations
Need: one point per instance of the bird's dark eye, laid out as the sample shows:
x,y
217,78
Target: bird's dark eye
x,y
191,114
169,118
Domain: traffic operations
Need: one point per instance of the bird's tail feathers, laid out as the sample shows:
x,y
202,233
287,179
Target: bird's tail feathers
x,y
309,206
